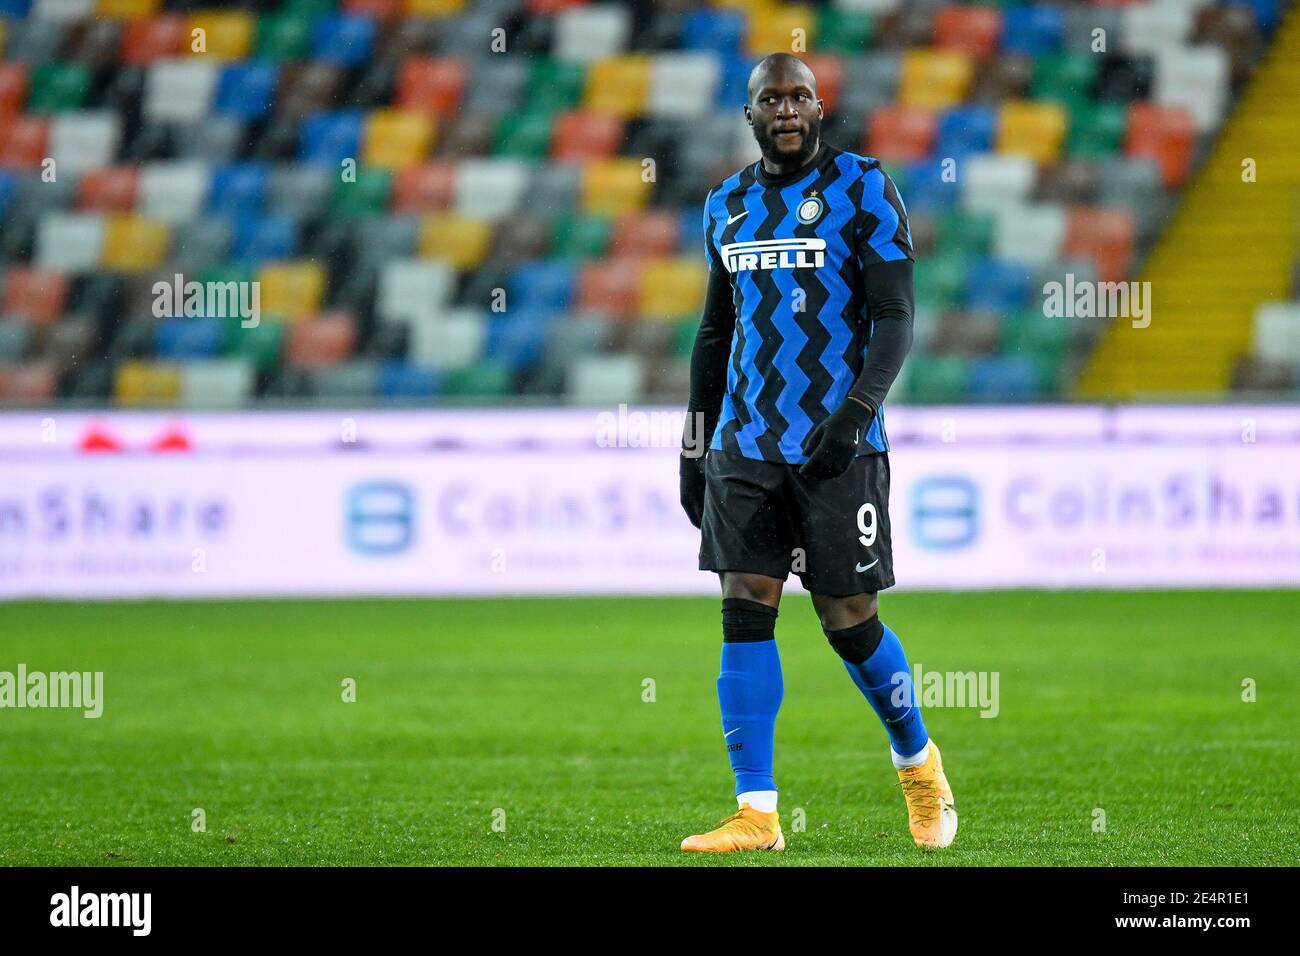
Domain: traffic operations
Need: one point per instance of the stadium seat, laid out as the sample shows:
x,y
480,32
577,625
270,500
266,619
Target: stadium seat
x,y
934,79
966,129
1036,130
490,189
331,138
1152,27
614,186
997,286
525,135
398,379
581,237
324,339
901,134
238,187
396,139
342,39
434,85
683,84
459,241
200,242
146,39
671,288
652,233
610,286
546,286
1195,79
291,290
992,182
1105,236
1276,331
843,29
408,288
187,338
32,384
257,238
36,296
22,141
147,383
246,90
721,31
221,34
215,384
424,188
975,31
134,243
582,135
1032,233
58,87
179,90
83,140
1003,378
1165,135
517,336
619,85
448,340
605,379
591,33
1032,30
69,242
306,88
15,339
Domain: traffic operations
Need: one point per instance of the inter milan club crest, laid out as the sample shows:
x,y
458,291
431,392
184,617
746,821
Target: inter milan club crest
x,y
810,208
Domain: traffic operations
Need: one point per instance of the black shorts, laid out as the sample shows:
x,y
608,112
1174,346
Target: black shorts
x,y
763,517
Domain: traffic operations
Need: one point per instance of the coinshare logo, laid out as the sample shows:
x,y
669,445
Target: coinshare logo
x,y
945,512
379,518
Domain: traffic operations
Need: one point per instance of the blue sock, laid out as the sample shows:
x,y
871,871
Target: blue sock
x,y
749,691
873,656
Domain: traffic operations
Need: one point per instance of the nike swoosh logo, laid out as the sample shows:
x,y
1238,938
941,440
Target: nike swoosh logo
x,y
740,215
866,567
729,733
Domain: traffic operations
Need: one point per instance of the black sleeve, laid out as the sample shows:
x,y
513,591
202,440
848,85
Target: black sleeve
x,y
712,349
888,290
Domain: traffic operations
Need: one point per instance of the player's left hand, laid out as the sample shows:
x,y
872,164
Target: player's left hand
x,y
832,445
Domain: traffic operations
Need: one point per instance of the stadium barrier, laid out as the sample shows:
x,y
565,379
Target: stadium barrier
x,y
584,501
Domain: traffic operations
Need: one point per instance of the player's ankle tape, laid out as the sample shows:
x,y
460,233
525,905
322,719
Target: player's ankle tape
x,y
745,621
855,644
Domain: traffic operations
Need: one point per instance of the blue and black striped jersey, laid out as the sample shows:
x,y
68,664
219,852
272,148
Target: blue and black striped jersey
x,y
796,248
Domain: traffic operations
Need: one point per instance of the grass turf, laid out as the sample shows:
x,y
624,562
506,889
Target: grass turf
x,y
1127,703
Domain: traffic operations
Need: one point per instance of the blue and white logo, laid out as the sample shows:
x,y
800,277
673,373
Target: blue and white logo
x,y
379,518
809,210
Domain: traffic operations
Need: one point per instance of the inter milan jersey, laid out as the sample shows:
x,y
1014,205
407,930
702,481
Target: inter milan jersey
x,y
795,248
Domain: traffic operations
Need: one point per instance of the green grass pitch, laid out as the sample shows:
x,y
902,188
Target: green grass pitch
x,y
531,713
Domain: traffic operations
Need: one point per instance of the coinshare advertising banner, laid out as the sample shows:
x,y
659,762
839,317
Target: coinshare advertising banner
x,y
585,501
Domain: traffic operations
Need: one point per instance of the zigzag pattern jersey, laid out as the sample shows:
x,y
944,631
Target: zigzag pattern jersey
x,y
796,248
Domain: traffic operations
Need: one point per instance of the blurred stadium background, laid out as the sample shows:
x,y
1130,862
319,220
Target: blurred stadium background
x,y
526,171
475,229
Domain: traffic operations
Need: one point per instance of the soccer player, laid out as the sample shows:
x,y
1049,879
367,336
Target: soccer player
x,y
807,319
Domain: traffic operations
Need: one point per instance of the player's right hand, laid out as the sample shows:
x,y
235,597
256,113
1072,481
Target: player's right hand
x,y
692,488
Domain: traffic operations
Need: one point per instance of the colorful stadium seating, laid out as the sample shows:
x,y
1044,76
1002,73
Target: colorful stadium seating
x,y
431,219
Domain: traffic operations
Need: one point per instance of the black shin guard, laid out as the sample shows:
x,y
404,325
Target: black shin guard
x,y
855,644
744,620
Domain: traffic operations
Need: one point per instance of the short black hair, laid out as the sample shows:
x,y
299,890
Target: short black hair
x,y
773,60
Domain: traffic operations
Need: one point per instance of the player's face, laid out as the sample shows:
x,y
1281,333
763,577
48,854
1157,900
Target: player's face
x,y
786,115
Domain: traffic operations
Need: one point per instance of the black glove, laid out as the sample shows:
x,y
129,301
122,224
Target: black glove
x,y
692,488
832,445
